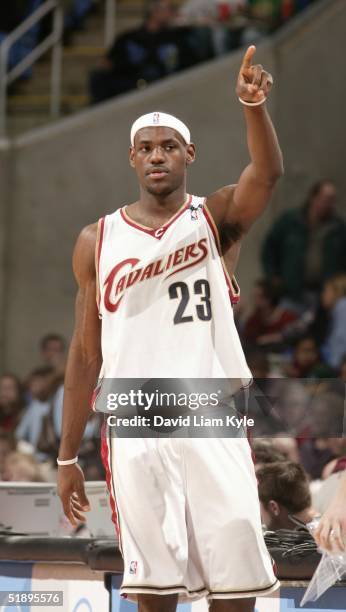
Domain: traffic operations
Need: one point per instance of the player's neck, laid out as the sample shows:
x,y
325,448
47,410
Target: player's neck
x,y
161,205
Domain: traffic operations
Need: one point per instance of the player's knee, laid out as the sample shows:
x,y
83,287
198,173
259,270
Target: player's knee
x,y
157,603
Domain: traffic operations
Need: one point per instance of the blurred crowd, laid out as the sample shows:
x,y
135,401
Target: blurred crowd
x,y
31,419
294,335
173,36
293,331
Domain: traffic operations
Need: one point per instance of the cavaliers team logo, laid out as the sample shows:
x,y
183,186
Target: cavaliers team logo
x,y
130,272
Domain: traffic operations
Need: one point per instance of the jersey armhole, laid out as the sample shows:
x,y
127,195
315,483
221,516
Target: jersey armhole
x,y
98,249
232,284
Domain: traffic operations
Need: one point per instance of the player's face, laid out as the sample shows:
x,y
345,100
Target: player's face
x,y
160,158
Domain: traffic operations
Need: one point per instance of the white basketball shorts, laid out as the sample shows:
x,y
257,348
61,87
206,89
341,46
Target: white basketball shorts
x,y
188,517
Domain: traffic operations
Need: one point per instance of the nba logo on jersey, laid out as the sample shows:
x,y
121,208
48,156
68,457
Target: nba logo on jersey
x,y
133,567
194,211
156,118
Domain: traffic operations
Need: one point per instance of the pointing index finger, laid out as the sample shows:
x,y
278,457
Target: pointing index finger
x,y
250,52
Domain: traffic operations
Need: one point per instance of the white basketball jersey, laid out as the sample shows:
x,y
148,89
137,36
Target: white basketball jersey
x,y
165,299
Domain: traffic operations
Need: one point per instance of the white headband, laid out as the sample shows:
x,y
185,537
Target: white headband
x,y
160,120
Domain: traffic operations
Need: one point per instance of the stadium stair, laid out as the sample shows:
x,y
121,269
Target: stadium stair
x,y
28,102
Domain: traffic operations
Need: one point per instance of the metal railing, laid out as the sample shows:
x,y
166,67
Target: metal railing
x,y
53,40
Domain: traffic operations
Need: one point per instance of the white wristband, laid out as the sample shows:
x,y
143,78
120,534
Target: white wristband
x,y
252,103
67,461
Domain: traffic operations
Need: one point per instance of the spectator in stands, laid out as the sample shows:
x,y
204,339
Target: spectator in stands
x,y
146,54
314,456
22,468
306,361
338,447
52,352
30,426
89,451
334,301
325,419
52,349
42,428
76,12
283,490
271,13
11,402
258,362
265,16
326,414
306,246
290,404
265,451
268,318
274,13
331,530
8,444
210,11
218,16
324,490
271,450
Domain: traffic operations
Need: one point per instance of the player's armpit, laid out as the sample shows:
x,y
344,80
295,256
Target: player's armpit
x,y
235,207
220,205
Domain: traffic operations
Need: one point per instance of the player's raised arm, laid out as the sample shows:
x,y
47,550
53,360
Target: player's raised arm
x,y
83,365
242,203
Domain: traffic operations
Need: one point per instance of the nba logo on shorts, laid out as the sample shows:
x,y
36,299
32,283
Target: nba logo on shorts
x,y
133,567
156,118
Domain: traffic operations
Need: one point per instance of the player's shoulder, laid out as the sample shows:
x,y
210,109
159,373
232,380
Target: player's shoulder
x,y
84,254
87,238
219,201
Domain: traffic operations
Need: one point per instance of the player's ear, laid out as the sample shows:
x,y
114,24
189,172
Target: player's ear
x,y
274,507
190,154
132,157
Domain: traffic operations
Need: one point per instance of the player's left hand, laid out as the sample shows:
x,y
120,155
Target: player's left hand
x,y
254,83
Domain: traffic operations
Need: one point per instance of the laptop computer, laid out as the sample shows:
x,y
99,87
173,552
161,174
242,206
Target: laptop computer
x,y
29,508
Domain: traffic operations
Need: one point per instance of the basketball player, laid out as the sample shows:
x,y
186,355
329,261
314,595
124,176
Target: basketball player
x,y
187,510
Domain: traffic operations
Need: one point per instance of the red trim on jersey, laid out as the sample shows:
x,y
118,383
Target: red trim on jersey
x,y
232,285
99,248
104,457
94,396
159,231
213,229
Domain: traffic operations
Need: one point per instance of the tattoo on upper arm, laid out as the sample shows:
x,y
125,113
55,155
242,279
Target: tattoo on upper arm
x,y
229,234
